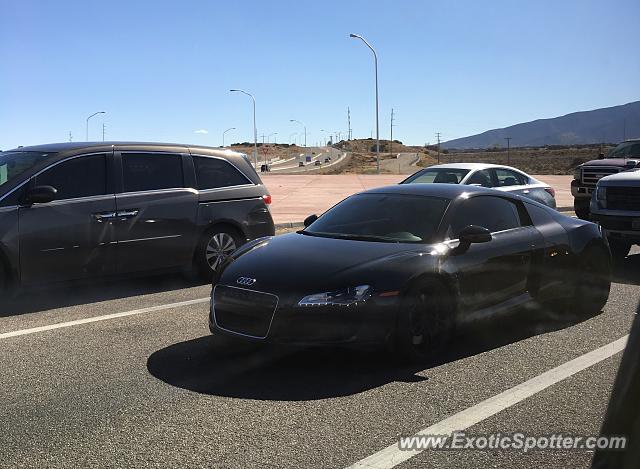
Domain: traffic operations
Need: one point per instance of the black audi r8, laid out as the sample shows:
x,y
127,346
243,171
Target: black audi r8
x,y
402,265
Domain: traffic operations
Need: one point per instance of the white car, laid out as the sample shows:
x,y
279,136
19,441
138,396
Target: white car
x,y
502,178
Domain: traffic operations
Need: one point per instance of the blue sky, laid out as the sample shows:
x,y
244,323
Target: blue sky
x,y
162,69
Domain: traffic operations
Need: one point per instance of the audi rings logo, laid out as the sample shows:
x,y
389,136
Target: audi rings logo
x,y
246,281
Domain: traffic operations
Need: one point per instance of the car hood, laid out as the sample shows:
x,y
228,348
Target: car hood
x,y
296,263
625,178
612,162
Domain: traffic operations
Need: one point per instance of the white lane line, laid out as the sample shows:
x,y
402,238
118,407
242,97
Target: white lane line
x,y
105,317
391,456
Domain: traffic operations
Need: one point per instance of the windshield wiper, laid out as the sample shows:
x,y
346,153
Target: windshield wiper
x,y
354,237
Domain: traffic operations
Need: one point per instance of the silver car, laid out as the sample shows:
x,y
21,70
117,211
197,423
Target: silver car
x,y
502,178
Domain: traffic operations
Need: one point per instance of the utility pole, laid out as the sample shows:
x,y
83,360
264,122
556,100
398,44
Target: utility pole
x,y
391,140
508,139
349,121
438,137
70,137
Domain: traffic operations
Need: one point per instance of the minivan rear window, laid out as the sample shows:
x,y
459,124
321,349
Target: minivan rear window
x,y
151,171
212,173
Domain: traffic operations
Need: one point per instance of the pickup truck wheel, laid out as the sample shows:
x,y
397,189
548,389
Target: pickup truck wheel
x,y
619,249
592,282
582,213
426,322
214,247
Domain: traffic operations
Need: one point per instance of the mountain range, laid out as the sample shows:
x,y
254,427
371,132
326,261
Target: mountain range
x,y
609,125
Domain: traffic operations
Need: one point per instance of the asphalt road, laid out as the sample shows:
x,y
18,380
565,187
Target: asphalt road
x,y
403,163
150,389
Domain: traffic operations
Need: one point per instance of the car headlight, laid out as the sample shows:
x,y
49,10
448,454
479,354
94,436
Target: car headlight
x,y
577,173
601,193
343,297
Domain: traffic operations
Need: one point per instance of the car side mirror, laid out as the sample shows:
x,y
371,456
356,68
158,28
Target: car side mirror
x,y
601,156
41,195
474,234
310,219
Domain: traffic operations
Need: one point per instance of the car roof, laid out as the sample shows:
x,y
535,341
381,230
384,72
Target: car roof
x,y
447,191
79,146
471,166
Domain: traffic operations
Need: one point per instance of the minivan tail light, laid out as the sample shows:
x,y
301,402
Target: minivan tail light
x,y
267,199
551,191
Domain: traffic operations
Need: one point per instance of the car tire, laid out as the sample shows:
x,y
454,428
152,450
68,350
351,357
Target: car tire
x,y
426,321
214,246
619,249
592,283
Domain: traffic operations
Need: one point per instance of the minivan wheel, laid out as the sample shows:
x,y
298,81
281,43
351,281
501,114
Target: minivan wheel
x,y
215,246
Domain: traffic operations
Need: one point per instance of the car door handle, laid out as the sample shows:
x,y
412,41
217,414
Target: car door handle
x,y
100,217
526,191
128,213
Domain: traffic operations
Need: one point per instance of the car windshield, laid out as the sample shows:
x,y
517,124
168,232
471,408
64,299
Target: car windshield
x,y
626,150
438,175
14,163
396,218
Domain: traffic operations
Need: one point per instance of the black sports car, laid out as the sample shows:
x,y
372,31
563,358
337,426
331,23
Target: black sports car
x,y
402,265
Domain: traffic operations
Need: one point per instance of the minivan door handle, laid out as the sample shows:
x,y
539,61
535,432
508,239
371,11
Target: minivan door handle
x,y
100,217
128,213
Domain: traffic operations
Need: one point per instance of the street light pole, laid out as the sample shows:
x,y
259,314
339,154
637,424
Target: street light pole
x,y
94,114
325,138
230,128
305,129
255,129
270,135
375,60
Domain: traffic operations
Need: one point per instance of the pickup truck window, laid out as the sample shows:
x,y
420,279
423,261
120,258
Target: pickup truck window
x,y
626,150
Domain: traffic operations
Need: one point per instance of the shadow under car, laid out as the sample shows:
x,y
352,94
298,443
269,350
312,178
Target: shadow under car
x,y
284,374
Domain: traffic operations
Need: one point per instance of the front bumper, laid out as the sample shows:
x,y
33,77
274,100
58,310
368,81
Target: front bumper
x,y
371,322
580,190
620,227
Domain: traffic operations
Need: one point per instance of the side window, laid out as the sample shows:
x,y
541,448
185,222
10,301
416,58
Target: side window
x,y
212,173
481,178
507,177
494,213
151,171
14,198
84,176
